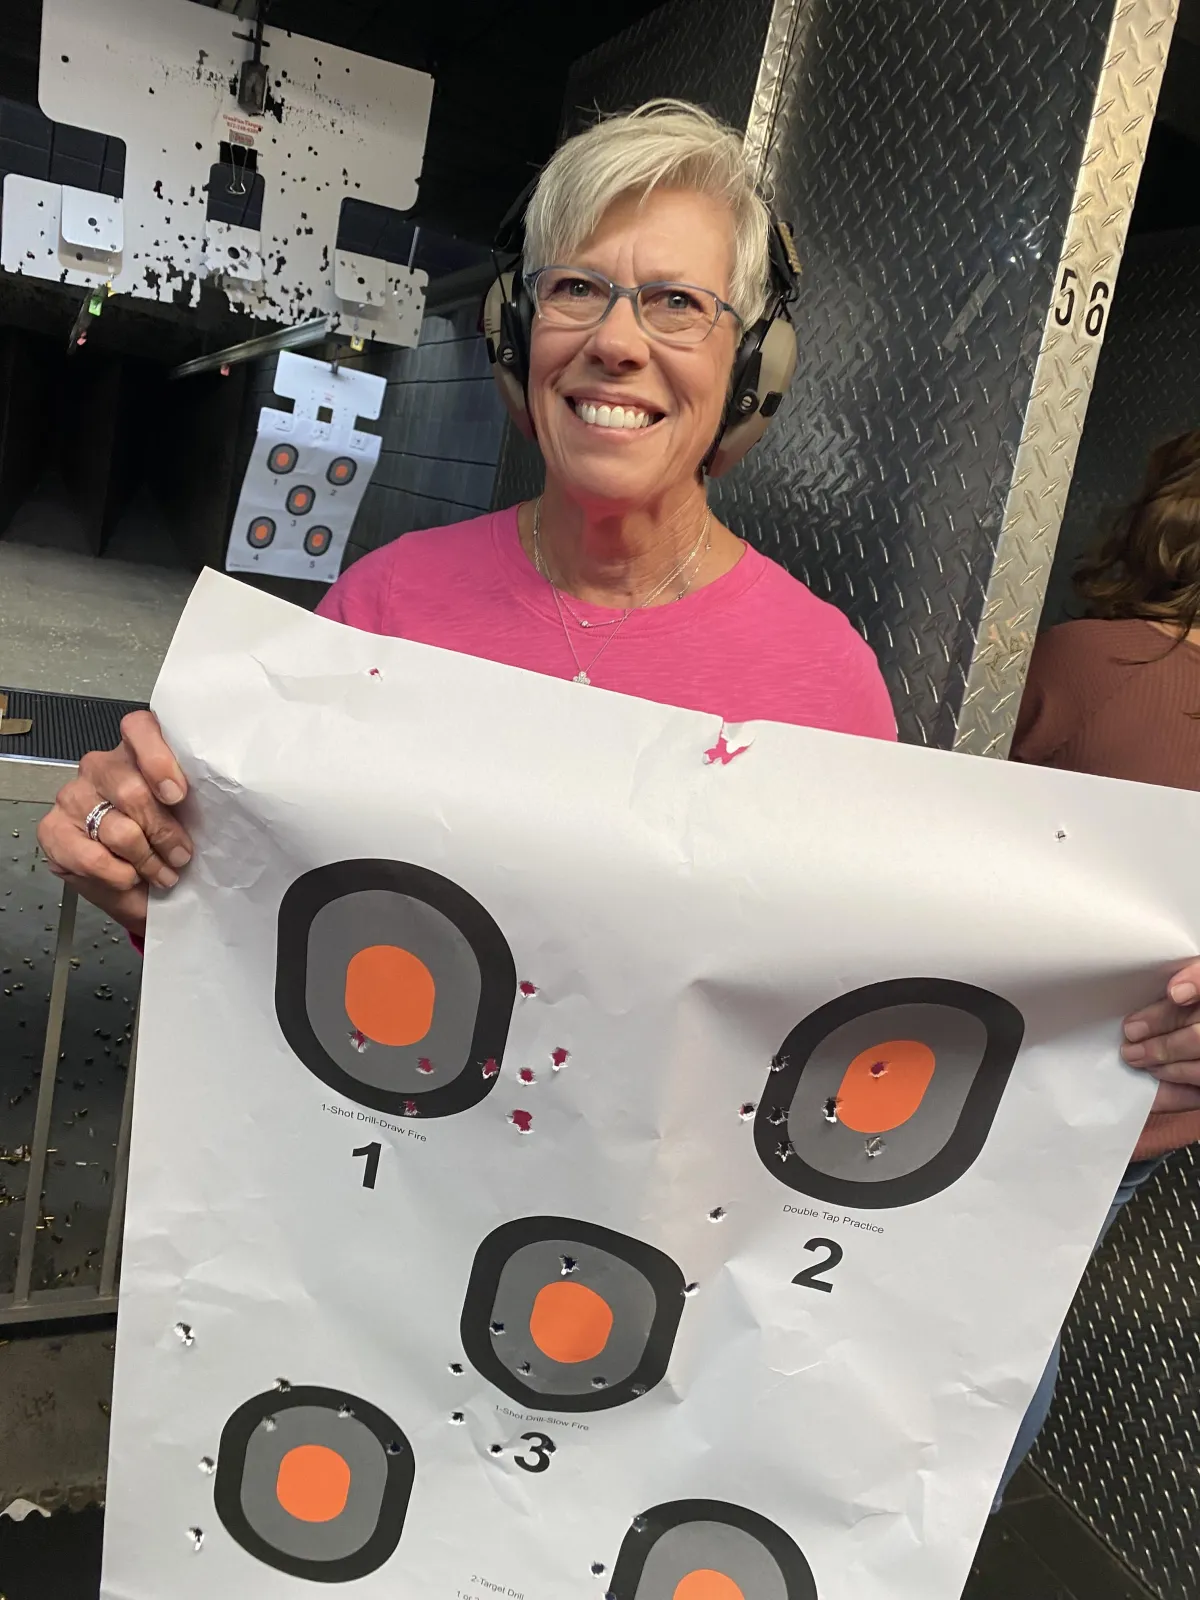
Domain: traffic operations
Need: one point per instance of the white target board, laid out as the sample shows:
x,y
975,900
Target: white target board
x,y
162,75
572,1160
307,472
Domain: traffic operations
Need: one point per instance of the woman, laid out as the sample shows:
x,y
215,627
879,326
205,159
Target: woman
x,y
1118,694
619,575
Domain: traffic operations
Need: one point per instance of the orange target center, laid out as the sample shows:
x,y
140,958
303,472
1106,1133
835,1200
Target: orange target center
x,y
705,1584
884,1086
570,1322
313,1483
389,994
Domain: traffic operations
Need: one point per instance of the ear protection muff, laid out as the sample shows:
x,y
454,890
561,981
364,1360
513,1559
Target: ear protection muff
x,y
762,367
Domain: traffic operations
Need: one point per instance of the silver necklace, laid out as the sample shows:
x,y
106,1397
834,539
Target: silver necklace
x,y
696,555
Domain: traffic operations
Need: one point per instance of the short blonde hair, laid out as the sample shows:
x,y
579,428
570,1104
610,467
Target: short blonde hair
x,y
664,143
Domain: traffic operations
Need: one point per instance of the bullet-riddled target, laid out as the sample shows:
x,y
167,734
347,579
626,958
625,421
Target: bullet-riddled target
x,y
885,1096
314,1482
709,1550
564,1315
394,986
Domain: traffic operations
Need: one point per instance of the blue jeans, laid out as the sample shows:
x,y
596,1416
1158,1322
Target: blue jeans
x,y
1039,1407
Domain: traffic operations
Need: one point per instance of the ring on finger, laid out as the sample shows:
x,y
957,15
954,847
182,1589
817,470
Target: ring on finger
x,y
95,817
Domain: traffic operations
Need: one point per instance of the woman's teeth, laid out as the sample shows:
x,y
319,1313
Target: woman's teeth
x,y
612,416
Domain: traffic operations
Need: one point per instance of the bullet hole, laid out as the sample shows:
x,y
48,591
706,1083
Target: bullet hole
x,y
67,58
411,1109
569,1265
158,192
640,1524
599,1383
559,1058
526,1075
283,1385
778,1062
457,1418
746,1110
425,1065
525,1368
722,753
490,1067
207,1466
878,1068
691,1289
522,1121
456,1369
495,1450
527,988
196,1535
783,1149
717,1214
777,1118
496,1328
269,1424
598,1568
874,1146
1061,834
184,1334
830,1109
374,672
395,1448
345,1410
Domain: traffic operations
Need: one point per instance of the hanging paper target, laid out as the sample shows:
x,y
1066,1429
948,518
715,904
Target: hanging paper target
x,y
300,500
709,1550
283,458
886,1095
260,533
314,1482
565,1315
341,470
394,986
317,540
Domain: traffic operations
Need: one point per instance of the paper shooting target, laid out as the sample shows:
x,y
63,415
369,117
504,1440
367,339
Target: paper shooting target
x,y
341,470
283,458
886,1095
314,1482
564,1315
709,1550
394,986
260,533
317,540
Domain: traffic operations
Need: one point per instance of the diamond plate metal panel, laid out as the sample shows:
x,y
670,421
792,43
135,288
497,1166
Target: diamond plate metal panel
x,y
1147,389
1113,155
1123,1442
928,164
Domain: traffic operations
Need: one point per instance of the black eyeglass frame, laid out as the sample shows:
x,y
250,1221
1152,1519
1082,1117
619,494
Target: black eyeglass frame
x,y
617,291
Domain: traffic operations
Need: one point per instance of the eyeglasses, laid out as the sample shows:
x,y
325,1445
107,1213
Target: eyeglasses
x,y
674,313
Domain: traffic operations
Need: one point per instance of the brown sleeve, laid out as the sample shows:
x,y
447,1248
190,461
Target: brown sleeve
x,y
1050,712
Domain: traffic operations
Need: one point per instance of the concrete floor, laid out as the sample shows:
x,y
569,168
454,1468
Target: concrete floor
x,y
76,624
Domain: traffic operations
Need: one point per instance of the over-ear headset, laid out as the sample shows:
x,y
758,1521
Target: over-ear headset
x,y
762,367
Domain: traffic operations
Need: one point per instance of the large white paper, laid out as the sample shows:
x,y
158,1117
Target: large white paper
x,y
367,1269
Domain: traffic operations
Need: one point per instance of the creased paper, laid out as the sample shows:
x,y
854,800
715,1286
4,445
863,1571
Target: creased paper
x,y
567,1164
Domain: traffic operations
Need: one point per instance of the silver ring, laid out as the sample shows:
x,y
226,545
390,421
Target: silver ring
x,y
95,817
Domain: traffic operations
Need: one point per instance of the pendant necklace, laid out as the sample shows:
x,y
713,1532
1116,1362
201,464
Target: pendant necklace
x,y
696,555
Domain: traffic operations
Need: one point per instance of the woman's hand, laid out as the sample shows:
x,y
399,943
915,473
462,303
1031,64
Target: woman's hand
x,y
137,841
1164,1040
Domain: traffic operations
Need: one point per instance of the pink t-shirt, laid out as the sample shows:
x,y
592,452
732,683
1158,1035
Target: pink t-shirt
x,y
753,645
